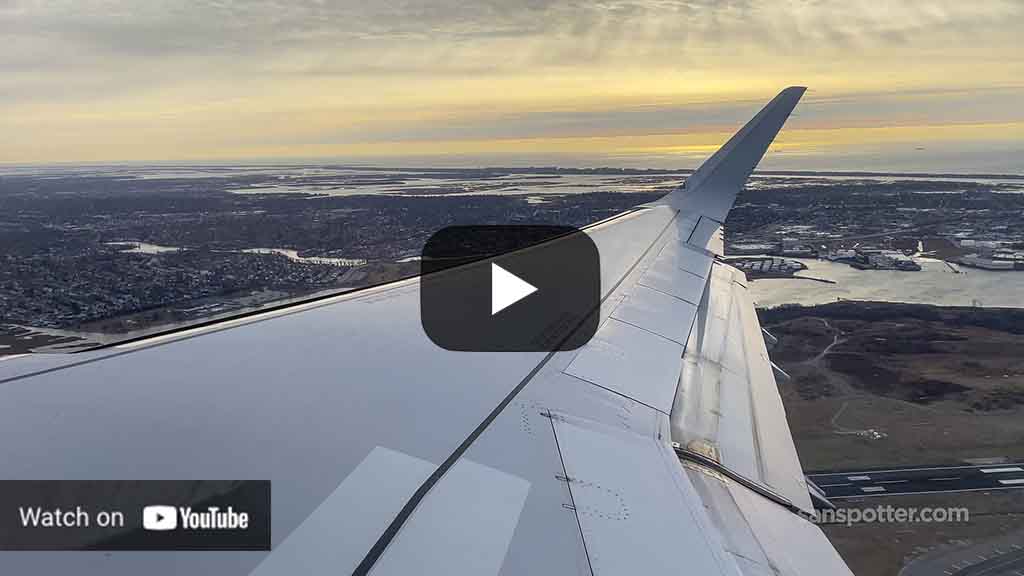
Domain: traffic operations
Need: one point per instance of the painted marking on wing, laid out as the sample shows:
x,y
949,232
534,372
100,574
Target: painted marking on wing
x,y
873,489
858,478
1002,470
470,501
348,521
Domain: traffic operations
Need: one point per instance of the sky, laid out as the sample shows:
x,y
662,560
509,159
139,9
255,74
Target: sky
x,y
932,86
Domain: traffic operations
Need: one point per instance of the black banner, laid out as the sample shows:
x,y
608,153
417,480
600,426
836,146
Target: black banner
x,y
134,515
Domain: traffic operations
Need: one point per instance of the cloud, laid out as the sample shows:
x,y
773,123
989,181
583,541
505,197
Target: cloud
x,y
596,29
205,71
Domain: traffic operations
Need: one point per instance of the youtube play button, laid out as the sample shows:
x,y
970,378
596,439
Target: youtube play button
x,y
507,289
510,288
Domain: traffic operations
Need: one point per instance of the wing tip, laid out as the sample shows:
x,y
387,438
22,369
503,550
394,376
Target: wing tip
x,y
710,190
793,92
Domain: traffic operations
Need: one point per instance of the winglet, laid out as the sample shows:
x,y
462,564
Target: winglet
x,y
712,188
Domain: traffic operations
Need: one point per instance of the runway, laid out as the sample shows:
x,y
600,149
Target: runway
x,y
919,480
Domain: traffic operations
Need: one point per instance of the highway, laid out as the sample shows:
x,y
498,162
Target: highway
x,y
919,480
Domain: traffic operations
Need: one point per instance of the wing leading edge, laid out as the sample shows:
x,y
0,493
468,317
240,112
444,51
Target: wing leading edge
x,y
660,446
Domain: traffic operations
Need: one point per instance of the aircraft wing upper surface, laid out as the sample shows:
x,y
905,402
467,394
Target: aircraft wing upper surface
x,y
661,446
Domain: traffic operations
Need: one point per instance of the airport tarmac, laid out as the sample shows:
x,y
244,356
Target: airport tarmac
x,y
1001,557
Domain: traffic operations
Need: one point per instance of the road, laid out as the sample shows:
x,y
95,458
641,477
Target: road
x,y
919,480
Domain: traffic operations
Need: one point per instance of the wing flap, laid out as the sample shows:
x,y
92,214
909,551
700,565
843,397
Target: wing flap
x,y
761,536
637,511
728,406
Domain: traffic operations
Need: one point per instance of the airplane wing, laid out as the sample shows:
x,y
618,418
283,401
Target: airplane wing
x,y
661,446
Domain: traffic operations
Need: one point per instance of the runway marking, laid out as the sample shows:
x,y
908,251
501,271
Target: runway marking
x,y
833,485
944,478
1013,481
897,493
891,481
967,467
856,478
873,489
1001,470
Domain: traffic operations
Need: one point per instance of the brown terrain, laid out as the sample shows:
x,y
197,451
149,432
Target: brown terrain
x,y
878,385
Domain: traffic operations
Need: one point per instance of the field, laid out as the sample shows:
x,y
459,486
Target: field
x,y
878,385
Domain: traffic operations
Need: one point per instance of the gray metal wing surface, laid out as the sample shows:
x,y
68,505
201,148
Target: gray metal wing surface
x,y
661,446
